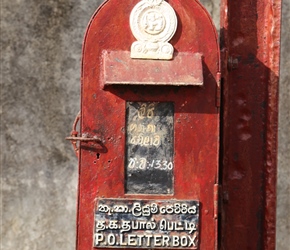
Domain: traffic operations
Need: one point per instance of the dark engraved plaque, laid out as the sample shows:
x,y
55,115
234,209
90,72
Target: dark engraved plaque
x,y
149,147
122,223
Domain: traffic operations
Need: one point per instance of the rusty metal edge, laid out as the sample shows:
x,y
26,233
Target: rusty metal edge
x,y
273,49
273,56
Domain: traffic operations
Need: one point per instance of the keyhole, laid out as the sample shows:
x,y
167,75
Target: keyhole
x,y
98,156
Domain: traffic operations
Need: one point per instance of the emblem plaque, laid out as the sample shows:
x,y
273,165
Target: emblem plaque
x,y
153,24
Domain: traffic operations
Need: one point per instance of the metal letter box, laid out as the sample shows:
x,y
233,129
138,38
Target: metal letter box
x,y
149,127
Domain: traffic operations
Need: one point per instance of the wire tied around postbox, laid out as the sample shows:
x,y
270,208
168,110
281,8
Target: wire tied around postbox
x,y
74,139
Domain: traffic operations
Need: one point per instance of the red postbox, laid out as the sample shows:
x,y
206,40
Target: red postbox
x,y
149,142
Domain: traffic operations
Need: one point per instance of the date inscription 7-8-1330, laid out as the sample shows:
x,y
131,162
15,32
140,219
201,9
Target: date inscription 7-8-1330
x,y
149,147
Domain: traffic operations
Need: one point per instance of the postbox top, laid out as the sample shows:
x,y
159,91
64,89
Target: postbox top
x,y
109,30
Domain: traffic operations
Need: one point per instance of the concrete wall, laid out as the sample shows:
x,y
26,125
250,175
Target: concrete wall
x,y
283,185
40,76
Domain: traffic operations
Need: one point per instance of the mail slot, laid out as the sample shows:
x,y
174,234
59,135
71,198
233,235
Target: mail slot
x,y
148,144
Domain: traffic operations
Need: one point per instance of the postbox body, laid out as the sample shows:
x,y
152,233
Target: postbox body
x,y
157,124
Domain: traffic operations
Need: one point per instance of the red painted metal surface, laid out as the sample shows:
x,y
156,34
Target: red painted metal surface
x,y
118,70
196,117
250,33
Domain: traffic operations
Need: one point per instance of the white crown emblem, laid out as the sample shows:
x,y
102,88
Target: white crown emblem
x,y
153,24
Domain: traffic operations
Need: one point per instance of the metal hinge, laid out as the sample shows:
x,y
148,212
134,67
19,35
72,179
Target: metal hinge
x,y
216,200
218,90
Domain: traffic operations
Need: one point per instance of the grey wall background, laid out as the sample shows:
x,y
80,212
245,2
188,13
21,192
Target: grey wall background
x,y
40,82
283,185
